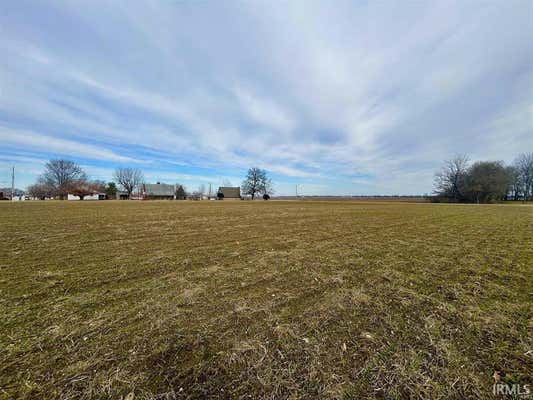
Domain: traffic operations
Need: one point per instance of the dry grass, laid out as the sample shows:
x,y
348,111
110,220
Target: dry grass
x,y
265,300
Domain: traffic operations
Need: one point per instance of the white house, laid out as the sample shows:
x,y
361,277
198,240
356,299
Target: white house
x,y
95,196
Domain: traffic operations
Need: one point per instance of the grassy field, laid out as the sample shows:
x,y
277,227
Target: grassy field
x,y
268,300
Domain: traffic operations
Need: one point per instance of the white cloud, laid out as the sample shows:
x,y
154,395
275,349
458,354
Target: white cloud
x,y
307,90
33,141
265,112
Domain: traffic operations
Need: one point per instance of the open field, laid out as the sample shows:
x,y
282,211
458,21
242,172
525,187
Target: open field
x,y
373,199
263,299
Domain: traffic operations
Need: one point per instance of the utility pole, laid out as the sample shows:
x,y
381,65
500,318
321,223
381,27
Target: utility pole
x,y
13,183
209,189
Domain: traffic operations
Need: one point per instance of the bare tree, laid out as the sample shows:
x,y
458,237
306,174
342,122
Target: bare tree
x,y
449,181
524,169
60,175
40,190
227,183
515,188
129,179
99,186
256,182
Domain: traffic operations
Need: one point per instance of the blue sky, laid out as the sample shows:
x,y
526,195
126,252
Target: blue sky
x,y
340,97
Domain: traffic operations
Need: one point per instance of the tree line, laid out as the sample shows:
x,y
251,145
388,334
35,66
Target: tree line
x,y
63,177
485,181
457,181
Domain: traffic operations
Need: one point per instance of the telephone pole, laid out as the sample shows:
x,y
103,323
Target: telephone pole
x,y
13,183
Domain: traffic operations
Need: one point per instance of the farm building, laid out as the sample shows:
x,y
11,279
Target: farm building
x,y
94,196
122,195
158,191
20,198
229,193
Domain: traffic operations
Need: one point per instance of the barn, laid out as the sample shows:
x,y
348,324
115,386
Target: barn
x,y
158,191
122,195
229,193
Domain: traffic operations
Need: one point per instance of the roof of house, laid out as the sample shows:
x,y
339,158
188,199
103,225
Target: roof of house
x,y
230,192
158,189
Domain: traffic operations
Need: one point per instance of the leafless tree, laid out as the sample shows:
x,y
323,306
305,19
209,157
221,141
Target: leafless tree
x,y
524,168
515,187
60,175
256,182
40,190
129,179
449,181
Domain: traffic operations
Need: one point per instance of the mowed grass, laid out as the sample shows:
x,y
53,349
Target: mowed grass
x,y
268,300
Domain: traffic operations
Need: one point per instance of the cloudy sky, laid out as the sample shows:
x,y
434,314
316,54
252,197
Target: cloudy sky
x,y
340,97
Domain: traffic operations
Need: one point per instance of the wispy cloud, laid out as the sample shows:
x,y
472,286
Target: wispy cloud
x,y
56,146
342,97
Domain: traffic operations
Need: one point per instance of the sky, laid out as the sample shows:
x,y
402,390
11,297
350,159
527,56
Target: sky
x,y
337,97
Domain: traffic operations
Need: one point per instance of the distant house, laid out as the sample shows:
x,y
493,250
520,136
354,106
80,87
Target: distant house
x,y
229,193
94,196
20,198
122,195
158,191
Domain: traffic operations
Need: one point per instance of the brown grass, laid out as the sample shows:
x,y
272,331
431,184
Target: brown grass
x,y
272,300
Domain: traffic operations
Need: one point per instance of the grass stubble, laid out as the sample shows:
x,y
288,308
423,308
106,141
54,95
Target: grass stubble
x,y
264,300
